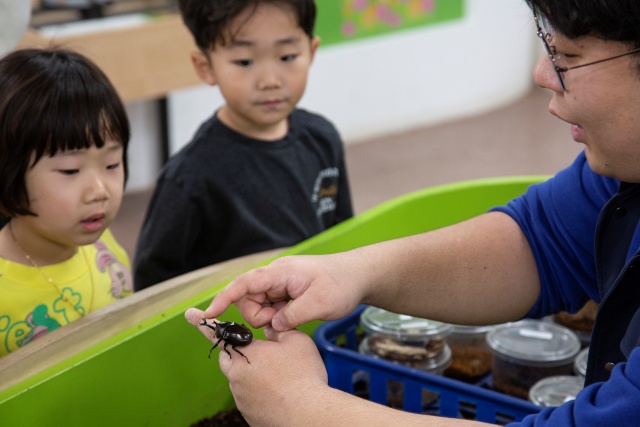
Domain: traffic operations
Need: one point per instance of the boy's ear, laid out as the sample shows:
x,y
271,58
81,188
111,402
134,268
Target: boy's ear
x,y
315,42
203,68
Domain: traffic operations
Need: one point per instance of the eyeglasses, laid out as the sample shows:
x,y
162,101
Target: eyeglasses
x,y
557,59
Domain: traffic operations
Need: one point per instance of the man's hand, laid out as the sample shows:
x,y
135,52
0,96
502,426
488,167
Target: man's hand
x,y
290,292
284,371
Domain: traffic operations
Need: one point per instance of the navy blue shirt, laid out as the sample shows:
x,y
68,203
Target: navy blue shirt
x,y
583,231
559,218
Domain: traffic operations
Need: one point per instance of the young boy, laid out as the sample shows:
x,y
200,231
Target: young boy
x,y
260,173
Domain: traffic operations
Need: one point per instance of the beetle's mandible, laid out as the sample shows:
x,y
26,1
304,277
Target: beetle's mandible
x,y
232,333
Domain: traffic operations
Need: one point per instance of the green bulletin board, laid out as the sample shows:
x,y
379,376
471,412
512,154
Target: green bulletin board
x,y
347,20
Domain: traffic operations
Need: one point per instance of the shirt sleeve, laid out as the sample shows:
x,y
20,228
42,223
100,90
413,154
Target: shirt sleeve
x,y
615,402
559,218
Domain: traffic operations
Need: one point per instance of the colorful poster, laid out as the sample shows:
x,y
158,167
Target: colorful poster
x,y
346,20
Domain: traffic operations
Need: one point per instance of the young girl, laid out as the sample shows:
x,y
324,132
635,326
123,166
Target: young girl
x,y
63,143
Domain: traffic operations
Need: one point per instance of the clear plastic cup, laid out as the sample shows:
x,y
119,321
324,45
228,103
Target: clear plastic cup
x,y
410,341
471,356
528,351
580,364
556,390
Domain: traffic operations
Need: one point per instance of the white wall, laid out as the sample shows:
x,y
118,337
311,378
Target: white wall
x,y
393,83
144,153
412,78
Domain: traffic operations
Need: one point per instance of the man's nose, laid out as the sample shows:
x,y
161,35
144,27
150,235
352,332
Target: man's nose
x,y
545,76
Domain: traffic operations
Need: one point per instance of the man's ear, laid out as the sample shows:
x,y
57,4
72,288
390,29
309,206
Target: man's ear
x,y
203,67
315,42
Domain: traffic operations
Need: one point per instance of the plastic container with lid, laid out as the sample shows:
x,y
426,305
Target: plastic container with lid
x,y
554,391
529,350
471,357
407,340
580,364
560,319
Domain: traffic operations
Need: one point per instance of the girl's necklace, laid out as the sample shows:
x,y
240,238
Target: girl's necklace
x,y
49,279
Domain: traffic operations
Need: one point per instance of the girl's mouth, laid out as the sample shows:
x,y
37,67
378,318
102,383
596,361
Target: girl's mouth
x,y
93,223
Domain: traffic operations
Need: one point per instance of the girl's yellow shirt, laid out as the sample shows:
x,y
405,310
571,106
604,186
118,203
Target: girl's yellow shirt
x,y
30,306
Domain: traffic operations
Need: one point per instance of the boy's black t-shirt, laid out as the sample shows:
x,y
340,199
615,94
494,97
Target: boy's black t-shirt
x,y
226,195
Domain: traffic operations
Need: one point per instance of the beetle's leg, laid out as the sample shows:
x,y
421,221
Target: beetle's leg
x,y
204,323
225,349
214,346
240,353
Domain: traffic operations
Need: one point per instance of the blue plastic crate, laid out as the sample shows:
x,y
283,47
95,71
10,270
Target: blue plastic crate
x,y
382,381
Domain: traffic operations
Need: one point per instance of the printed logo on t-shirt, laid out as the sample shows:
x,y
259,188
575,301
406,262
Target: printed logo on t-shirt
x,y
325,191
39,322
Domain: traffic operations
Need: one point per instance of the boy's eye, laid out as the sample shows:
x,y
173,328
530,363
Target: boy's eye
x,y
289,58
243,62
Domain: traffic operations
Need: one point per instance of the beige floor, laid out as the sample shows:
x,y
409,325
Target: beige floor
x,y
520,139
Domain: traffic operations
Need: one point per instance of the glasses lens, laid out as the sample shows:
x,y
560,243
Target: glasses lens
x,y
546,35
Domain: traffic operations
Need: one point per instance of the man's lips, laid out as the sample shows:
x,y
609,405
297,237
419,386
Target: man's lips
x,y
577,132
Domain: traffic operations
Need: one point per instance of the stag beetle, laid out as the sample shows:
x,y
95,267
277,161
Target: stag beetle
x,y
232,333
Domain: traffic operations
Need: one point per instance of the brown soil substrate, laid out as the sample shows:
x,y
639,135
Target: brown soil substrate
x,y
391,349
516,380
231,418
580,321
469,364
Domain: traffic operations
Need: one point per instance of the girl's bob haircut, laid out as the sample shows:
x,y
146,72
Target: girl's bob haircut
x,y
51,100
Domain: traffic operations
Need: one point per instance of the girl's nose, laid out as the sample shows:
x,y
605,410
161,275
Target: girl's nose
x,y
96,190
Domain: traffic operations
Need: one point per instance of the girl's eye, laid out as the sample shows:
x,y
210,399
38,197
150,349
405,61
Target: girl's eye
x,y
69,171
289,58
113,166
243,62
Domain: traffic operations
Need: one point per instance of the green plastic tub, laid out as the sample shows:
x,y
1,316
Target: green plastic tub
x,y
154,371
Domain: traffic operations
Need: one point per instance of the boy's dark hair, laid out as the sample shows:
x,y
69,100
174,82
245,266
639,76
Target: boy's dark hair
x,y
615,20
51,100
208,20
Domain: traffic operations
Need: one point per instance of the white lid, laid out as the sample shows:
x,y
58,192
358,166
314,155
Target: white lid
x,y
534,342
555,390
468,329
401,326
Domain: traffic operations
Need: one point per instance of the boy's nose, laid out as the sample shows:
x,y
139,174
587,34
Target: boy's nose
x,y
269,79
